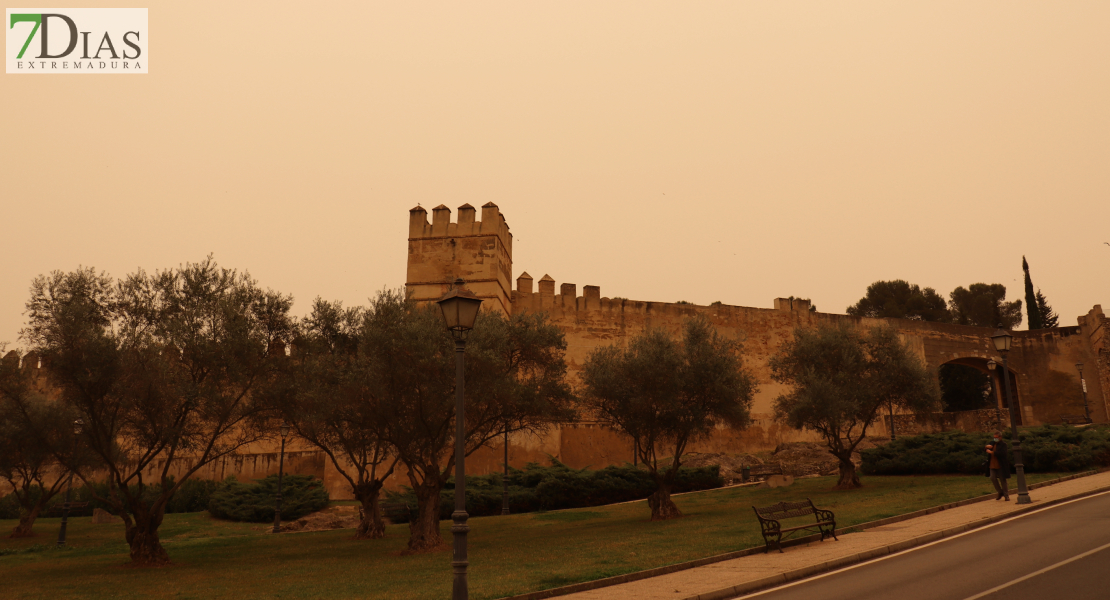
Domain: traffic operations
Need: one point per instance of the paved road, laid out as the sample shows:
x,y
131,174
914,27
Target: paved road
x,y
974,565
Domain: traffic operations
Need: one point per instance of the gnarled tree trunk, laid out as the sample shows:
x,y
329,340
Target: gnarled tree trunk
x,y
371,527
424,529
142,536
26,521
849,479
662,507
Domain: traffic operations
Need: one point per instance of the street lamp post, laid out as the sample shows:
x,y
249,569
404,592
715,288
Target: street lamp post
x,y
1002,340
505,479
69,486
891,406
1083,383
460,309
991,366
284,431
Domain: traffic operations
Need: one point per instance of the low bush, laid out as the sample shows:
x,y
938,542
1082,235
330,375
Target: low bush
x,y
254,502
192,496
558,486
9,507
1045,449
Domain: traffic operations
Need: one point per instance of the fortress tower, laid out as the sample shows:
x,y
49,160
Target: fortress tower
x,y
480,252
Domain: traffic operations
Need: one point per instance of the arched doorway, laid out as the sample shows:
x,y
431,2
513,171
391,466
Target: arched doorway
x,y
962,379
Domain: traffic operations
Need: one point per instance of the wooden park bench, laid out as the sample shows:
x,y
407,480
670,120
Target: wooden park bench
x,y
760,471
57,509
1074,419
771,517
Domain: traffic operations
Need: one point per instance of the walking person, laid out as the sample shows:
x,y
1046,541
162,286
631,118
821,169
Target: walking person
x,y
999,466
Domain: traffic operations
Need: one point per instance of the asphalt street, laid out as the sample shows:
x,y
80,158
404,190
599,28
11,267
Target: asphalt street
x,y
1063,553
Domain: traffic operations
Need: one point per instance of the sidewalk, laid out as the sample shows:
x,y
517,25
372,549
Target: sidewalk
x,y
729,578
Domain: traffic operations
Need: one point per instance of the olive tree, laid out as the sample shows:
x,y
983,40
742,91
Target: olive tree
x,y
163,371
32,429
666,393
515,374
840,377
328,397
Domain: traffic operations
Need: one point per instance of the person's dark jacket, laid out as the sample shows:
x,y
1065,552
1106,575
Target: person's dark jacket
x,y
1001,451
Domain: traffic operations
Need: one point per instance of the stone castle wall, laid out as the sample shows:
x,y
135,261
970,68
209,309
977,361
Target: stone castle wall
x,y
1042,372
1042,362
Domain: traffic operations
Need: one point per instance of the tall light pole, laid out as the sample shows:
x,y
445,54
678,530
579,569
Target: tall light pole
x,y
1083,383
69,486
891,406
505,478
460,309
1002,340
284,431
991,366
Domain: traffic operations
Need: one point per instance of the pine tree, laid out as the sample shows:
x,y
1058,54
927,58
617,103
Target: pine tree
x,y
1049,318
1031,307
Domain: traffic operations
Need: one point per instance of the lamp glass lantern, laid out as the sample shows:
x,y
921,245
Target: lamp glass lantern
x,y
1002,340
460,308
284,430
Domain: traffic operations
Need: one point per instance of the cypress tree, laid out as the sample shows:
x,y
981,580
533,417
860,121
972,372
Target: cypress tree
x,y
1031,308
1049,318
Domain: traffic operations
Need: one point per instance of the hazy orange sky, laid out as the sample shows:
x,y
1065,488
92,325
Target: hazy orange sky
x,y
699,151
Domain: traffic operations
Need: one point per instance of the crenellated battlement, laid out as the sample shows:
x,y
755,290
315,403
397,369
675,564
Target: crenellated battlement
x,y
492,223
479,252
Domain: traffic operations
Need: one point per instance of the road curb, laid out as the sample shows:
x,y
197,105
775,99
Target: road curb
x,y
778,579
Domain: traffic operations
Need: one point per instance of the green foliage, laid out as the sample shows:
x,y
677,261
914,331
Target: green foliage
x,y
1049,318
984,305
9,507
192,496
665,392
1032,309
839,378
539,488
899,299
515,380
154,362
254,502
1045,449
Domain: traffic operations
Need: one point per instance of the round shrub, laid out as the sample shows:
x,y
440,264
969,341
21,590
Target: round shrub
x,y
558,486
255,502
1048,448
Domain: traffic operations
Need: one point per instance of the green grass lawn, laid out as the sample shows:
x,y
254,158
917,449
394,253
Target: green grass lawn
x,y
508,555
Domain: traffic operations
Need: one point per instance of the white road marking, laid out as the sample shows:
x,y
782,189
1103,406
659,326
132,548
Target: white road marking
x,y
916,548
1035,573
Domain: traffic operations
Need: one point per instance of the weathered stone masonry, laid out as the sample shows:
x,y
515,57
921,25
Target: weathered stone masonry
x,y
1042,362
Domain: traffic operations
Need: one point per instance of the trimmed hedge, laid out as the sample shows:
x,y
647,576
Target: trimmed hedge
x,y
192,496
254,502
1045,449
536,488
